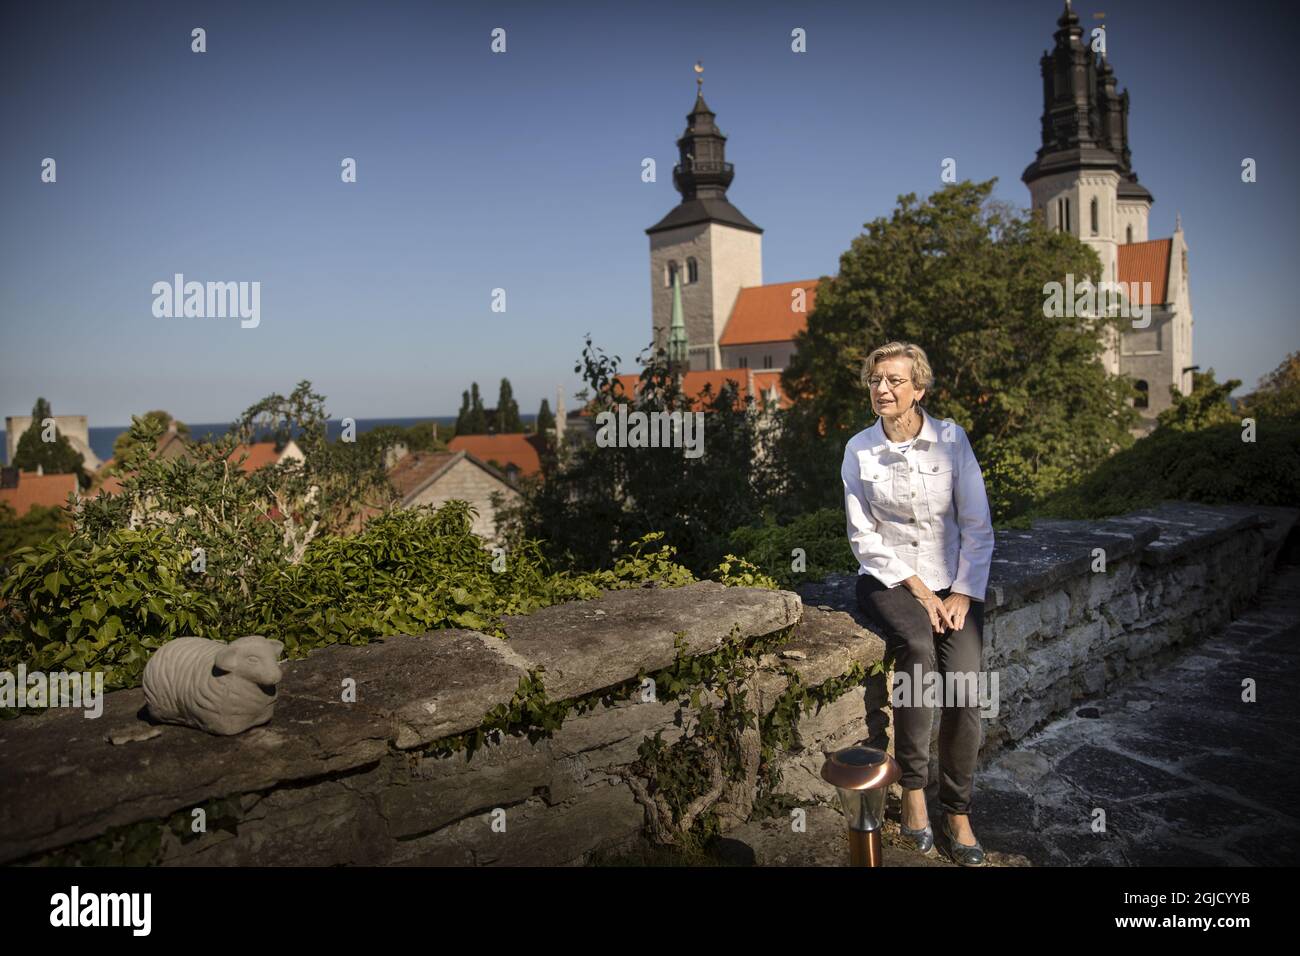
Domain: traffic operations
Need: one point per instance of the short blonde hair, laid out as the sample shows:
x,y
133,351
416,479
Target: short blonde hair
x,y
922,375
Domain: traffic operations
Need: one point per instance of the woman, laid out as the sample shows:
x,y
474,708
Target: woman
x,y
919,525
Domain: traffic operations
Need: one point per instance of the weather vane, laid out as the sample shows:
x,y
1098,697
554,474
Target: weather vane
x,y
699,77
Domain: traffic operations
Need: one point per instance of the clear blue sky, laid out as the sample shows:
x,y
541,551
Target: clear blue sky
x,y
522,171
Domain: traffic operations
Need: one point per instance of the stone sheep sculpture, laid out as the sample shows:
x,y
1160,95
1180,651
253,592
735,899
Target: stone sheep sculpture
x,y
211,685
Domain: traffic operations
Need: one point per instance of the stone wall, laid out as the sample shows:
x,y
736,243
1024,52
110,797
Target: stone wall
x,y
370,782
1073,606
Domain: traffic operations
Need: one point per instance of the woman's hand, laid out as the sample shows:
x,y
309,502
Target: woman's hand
x,y
958,605
940,617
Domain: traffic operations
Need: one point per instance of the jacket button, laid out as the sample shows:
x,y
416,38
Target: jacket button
x,y
914,544
911,521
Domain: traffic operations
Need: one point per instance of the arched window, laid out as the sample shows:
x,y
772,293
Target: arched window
x,y
1143,392
1128,233
668,275
1092,212
692,270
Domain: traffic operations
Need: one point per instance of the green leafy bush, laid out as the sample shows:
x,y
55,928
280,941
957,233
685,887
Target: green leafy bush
x,y
1213,465
821,535
106,603
72,604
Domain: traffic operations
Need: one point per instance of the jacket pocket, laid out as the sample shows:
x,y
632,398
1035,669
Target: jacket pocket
x,y
936,474
877,483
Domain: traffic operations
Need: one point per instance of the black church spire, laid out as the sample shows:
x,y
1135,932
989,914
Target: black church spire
x,y
702,175
1085,122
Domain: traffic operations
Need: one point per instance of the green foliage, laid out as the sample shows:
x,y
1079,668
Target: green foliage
x,y
420,437
1278,395
125,444
1205,406
77,605
1213,465
39,525
594,500
545,420
472,418
505,418
965,278
104,604
56,457
821,535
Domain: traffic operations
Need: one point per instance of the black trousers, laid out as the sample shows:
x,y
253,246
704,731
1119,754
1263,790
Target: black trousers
x,y
903,623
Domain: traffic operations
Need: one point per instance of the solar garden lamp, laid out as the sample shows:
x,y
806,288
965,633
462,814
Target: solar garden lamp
x,y
862,776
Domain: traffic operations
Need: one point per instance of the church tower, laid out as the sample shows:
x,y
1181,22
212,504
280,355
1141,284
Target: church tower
x,y
704,250
1082,182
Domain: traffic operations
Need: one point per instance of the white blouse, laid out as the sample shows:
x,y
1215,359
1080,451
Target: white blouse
x,y
919,510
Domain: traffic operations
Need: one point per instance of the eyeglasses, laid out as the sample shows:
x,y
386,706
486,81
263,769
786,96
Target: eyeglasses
x,y
894,381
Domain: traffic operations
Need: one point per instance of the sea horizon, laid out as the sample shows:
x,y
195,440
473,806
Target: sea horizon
x,y
102,437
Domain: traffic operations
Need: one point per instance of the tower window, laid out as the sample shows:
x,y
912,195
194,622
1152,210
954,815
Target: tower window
x,y
1143,391
1093,213
767,361
1128,233
744,361
692,270
672,271
1067,214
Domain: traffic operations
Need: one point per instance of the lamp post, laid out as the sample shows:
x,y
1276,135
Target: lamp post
x,y
862,775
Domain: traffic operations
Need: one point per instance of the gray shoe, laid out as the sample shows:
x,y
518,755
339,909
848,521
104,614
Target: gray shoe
x,y
921,840
963,853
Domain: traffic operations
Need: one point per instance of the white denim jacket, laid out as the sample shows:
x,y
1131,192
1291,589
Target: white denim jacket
x,y
923,511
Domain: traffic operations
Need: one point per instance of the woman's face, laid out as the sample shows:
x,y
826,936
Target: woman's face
x,y
891,387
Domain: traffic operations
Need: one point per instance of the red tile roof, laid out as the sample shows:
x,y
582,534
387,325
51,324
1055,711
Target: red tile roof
x,y
693,384
764,313
49,491
260,454
1145,262
520,450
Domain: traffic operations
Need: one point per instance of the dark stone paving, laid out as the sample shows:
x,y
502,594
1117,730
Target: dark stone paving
x,y
1175,769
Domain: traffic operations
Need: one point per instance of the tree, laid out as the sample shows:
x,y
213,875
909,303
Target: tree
x,y
478,419
228,525
1205,406
1278,394
507,411
55,456
966,278
593,503
41,524
545,420
122,444
462,417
